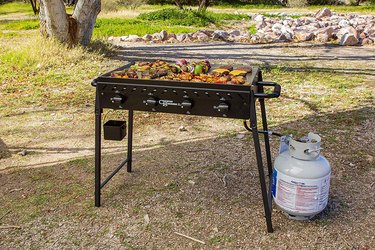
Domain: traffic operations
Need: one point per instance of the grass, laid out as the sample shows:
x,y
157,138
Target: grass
x,y
38,71
189,17
252,29
16,8
106,27
19,25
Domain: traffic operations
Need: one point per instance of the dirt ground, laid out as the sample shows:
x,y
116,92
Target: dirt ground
x,y
202,182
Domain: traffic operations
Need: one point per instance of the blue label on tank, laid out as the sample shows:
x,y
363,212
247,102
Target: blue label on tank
x,y
274,181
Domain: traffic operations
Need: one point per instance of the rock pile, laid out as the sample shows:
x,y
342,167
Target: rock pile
x,y
348,29
324,26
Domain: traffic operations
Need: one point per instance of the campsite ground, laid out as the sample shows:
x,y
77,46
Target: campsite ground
x,y
212,192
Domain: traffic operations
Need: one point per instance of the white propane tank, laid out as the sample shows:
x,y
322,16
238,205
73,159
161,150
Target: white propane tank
x,y
301,178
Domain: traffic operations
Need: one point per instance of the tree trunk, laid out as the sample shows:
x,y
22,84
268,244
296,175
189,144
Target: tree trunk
x,y
70,29
203,4
179,5
85,14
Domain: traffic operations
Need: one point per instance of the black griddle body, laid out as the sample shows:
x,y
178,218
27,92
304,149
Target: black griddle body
x,y
189,98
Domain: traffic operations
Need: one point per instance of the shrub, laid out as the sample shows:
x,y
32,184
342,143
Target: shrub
x,y
110,5
132,4
188,17
297,3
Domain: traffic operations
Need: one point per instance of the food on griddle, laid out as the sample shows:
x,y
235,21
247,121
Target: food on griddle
x,y
238,80
183,70
220,72
238,73
228,67
247,69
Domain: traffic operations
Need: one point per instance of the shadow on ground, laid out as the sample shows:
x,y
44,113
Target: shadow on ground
x,y
208,189
4,151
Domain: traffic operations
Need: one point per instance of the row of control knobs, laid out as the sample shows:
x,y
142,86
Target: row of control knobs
x,y
152,101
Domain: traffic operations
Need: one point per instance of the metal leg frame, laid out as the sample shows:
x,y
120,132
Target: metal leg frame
x,y
98,127
266,195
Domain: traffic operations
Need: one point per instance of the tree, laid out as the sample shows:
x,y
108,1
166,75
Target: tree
x,y
179,4
202,4
70,29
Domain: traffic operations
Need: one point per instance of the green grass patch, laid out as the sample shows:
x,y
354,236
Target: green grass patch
x,y
239,5
189,17
105,27
252,29
16,8
19,25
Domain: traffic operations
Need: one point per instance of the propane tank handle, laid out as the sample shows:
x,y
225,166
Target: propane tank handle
x,y
309,151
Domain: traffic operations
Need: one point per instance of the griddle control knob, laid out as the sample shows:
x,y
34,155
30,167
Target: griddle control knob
x,y
187,104
151,101
117,99
222,107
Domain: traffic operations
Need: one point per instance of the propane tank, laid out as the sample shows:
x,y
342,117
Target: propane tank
x,y
301,178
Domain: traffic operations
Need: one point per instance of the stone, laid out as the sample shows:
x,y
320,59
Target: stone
x,y
171,36
182,128
367,41
111,38
260,25
234,33
363,35
156,37
277,28
347,30
303,36
146,218
191,182
286,30
348,40
181,37
322,38
254,38
221,34
201,36
172,40
325,31
163,35
271,37
132,38
259,18
23,152
240,136
343,23
147,37
325,12
285,37
298,22
370,30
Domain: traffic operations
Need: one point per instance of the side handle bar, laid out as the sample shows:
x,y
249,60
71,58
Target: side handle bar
x,y
275,93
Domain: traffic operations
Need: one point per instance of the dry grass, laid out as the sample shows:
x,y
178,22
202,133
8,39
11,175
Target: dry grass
x,y
41,71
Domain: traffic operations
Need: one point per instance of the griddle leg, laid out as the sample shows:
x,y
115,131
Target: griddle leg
x,y
265,128
98,126
130,140
263,186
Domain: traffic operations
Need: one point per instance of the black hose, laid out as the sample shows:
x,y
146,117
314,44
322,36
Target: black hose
x,y
260,131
